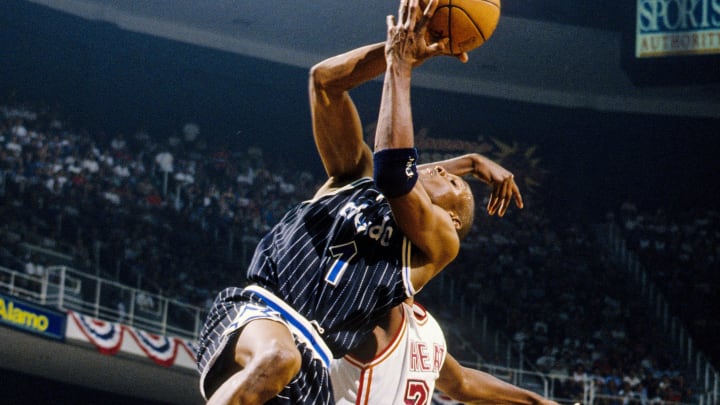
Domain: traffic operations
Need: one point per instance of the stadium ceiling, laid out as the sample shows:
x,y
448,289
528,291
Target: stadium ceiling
x,y
557,52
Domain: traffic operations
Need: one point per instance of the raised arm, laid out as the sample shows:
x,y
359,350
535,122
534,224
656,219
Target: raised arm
x,y
502,182
428,226
471,386
336,125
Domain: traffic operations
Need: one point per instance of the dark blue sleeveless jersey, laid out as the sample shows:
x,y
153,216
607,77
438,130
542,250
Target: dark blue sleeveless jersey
x,y
339,260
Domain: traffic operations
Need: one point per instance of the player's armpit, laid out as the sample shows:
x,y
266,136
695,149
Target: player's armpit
x,y
431,231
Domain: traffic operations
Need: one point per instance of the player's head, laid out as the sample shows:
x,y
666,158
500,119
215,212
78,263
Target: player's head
x,y
453,194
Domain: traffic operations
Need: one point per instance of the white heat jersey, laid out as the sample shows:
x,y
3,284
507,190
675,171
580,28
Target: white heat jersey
x,y
404,373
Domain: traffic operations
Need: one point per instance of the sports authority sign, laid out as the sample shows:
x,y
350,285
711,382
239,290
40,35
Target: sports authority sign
x,y
677,27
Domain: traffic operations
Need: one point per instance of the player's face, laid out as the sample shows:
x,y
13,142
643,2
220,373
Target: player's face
x,y
445,189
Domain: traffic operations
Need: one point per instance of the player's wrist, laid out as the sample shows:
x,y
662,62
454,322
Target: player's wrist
x,y
399,66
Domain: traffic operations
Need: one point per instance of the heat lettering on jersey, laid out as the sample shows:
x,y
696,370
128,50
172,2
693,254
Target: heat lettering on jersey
x,y
424,358
438,357
419,357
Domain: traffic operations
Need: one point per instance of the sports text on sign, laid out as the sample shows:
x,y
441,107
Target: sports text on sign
x,y
675,27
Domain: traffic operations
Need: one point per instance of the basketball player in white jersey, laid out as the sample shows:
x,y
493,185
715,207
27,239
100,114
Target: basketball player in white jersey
x,y
406,358
401,363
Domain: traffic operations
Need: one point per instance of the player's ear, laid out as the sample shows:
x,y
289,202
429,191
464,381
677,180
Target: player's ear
x,y
456,220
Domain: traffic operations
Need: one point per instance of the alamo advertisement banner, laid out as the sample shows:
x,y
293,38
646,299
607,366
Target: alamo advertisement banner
x,y
677,27
32,318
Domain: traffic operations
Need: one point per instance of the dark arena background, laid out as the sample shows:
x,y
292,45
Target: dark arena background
x,y
144,149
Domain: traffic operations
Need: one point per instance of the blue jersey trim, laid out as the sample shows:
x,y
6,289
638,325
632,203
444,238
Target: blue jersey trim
x,y
300,324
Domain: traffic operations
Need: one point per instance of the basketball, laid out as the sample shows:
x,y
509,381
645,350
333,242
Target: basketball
x,y
467,23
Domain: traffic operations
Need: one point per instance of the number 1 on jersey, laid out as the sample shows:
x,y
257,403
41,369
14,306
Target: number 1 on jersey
x,y
342,254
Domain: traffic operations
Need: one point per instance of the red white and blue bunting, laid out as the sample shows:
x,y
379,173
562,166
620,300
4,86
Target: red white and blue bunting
x,y
109,339
162,349
106,336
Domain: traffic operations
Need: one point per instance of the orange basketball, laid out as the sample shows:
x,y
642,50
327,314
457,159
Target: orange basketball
x,y
467,23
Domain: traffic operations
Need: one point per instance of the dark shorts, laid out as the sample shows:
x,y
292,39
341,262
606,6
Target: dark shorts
x,y
234,308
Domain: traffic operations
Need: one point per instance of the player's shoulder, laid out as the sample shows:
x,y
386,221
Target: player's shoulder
x,y
417,311
421,315
335,186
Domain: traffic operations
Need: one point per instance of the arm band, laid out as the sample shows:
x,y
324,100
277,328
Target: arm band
x,y
395,171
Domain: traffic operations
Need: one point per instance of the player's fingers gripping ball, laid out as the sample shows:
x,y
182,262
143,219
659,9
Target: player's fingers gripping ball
x,y
467,23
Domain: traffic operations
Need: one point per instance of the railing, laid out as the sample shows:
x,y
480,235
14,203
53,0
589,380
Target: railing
x,y
53,256
532,380
705,374
68,289
462,305
588,392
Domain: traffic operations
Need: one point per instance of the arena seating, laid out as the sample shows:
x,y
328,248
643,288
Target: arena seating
x,y
179,218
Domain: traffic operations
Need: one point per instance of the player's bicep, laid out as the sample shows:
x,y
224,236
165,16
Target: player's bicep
x,y
338,133
451,377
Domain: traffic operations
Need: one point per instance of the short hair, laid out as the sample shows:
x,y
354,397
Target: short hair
x,y
465,210
462,205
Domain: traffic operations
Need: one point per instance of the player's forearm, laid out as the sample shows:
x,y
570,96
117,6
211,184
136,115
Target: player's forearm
x,y
395,126
350,69
470,164
247,388
336,124
482,388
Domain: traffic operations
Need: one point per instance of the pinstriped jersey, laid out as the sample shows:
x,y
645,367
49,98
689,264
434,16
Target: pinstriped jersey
x,y
232,310
339,260
403,373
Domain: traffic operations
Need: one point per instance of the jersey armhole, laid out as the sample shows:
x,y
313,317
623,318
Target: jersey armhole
x,y
406,255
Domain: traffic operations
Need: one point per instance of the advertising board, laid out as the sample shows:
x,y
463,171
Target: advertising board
x,y
32,318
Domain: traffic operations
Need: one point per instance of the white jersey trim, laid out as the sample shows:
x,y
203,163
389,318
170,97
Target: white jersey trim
x,y
407,268
382,356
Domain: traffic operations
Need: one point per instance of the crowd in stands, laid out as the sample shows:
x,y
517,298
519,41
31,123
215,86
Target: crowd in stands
x,y
155,214
179,217
681,253
570,310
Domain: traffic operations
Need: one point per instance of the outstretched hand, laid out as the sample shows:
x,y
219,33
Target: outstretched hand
x,y
504,190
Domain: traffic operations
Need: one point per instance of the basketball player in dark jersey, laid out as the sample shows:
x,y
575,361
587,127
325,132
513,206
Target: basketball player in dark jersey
x,y
375,233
